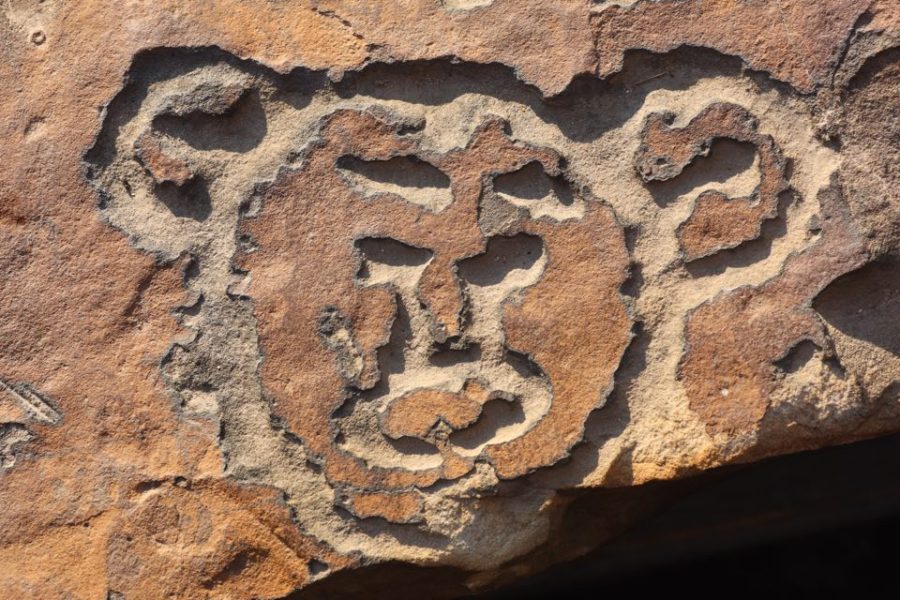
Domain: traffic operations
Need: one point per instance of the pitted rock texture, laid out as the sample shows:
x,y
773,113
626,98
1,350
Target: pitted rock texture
x,y
294,292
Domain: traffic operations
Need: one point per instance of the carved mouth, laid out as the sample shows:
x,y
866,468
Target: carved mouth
x,y
460,422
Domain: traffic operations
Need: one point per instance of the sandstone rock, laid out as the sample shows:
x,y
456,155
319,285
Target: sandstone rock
x,y
296,295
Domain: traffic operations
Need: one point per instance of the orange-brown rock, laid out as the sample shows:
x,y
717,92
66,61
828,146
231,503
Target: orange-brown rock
x,y
163,168
734,340
402,507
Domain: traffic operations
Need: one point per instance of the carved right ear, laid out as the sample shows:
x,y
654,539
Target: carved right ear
x,y
408,177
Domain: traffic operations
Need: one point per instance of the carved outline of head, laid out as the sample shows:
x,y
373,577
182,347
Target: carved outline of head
x,y
573,323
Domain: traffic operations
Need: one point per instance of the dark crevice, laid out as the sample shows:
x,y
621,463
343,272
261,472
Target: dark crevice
x,y
390,252
523,364
190,201
797,357
239,129
448,355
403,171
409,446
865,304
726,159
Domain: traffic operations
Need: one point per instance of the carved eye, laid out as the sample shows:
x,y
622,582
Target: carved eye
x,y
218,119
385,260
512,262
408,177
543,196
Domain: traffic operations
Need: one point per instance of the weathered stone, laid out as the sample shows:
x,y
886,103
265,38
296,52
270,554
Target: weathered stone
x,y
735,339
296,294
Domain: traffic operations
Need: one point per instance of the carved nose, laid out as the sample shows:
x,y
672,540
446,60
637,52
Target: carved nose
x,y
440,290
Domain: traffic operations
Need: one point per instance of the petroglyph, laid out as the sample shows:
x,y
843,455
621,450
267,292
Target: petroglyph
x,y
34,405
333,298
717,221
21,404
411,303
12,436
735,339
433,305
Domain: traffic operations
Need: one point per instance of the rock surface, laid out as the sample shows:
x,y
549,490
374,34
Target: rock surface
x,y
295,292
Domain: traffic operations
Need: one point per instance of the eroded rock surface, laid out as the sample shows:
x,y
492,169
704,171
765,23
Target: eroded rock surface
x,y
293,293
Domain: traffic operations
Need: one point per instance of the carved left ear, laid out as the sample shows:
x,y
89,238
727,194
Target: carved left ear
x,y
210,116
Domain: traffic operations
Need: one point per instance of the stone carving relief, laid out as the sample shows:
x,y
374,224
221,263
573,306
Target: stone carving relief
x,y
412,299
21,406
